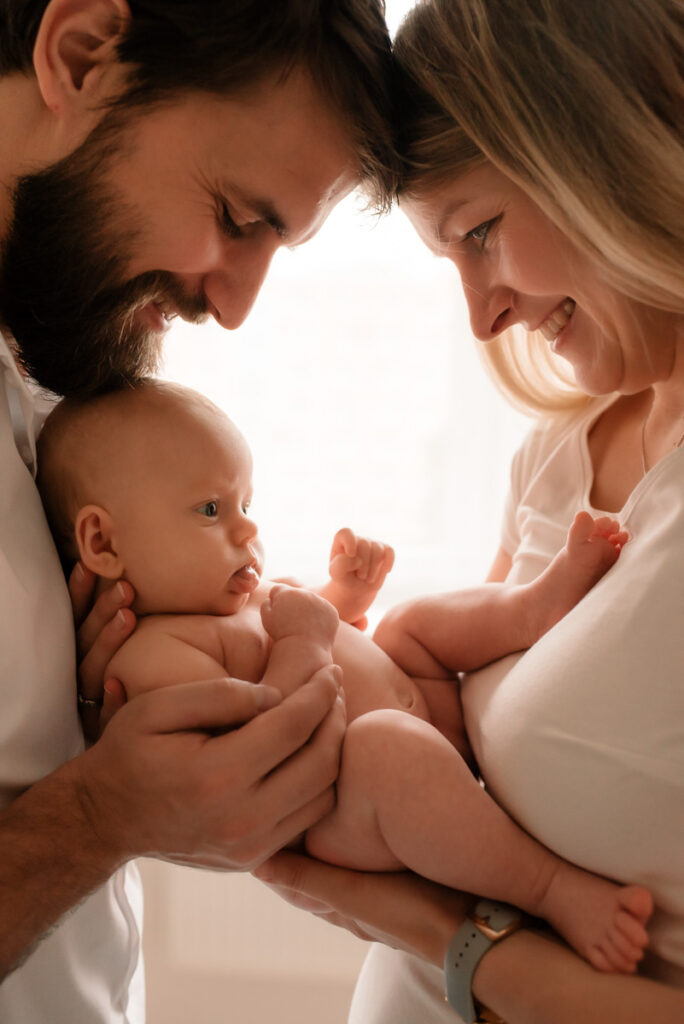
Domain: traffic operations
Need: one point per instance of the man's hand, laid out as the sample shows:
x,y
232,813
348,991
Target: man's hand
x,y
398,909
101,629
358,568
167,779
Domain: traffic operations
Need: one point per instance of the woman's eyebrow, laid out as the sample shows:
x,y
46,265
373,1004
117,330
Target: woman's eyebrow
x,y
446,216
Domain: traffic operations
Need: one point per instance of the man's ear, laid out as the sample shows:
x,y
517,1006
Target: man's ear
x,y
74,55
94,531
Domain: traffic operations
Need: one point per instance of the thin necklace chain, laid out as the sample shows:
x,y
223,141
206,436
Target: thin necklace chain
x,y
647,417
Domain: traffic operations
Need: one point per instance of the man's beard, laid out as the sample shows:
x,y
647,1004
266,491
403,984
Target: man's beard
x,y
63,293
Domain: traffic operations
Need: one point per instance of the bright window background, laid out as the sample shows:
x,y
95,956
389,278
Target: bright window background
x,y
358,386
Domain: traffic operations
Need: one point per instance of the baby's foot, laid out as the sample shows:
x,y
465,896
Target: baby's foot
x,y
291,611
592,547
604,922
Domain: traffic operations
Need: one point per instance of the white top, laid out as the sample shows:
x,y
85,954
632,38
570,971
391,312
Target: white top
x,y
88,969
581,738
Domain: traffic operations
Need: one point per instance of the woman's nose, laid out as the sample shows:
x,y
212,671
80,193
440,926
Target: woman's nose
x,y
490,305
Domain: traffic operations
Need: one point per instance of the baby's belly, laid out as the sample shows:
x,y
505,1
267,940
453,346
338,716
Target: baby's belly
x,y
371,679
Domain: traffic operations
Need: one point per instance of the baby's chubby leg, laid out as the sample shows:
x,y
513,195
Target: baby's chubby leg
x,y
302,626
405,798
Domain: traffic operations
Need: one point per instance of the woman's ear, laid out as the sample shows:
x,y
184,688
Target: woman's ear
x,y
94,531
74,56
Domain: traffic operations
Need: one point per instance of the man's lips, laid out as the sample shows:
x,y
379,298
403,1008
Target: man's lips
x,y
154,316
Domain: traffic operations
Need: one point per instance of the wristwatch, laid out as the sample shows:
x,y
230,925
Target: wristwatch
x,y
487,923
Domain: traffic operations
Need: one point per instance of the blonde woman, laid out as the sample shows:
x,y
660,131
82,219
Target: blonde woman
x,y
544,157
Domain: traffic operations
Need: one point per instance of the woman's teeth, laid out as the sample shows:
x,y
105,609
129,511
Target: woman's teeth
x,y
554,324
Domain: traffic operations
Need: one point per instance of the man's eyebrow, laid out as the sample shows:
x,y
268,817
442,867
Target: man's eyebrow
x,y
265,211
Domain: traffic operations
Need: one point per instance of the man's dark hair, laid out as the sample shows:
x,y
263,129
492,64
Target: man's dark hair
x,y
221,46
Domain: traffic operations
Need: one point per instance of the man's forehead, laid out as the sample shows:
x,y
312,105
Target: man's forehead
x,y
285,156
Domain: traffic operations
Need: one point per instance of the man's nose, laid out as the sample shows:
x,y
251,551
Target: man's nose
x,y
232,288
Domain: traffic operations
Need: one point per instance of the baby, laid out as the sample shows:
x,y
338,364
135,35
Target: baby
x,y
153,484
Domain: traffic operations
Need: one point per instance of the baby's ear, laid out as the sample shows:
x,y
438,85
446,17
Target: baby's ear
x,y
95,538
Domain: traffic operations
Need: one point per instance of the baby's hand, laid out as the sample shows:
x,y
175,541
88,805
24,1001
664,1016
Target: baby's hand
x,y
359,562
289,611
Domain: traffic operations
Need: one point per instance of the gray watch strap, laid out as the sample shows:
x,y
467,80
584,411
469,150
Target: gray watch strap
x,y
469,945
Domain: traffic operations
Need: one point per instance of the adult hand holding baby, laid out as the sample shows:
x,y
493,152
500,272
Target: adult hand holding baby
x,y
200,777
239,808
102,626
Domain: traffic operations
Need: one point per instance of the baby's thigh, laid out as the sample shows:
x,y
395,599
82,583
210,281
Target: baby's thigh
x,y
383,752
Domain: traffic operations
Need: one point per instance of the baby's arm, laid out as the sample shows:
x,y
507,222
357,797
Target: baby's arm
x,y
464,630
303,628
358,568
152,658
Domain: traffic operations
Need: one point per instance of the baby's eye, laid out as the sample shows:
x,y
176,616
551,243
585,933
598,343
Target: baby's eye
x,y
209,509
245,507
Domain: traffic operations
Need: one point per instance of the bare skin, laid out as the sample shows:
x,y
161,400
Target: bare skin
x,y
398,774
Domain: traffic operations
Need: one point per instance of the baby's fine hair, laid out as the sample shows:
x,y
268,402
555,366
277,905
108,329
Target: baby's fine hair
x,y
76,439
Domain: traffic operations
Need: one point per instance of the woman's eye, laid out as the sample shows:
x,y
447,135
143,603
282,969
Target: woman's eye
x,y
209,509
481,232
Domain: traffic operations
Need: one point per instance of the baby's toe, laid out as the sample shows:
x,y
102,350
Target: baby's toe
x,y
632,930
626,943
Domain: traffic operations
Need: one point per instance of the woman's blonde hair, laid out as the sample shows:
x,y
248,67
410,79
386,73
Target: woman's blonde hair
x,y
581,104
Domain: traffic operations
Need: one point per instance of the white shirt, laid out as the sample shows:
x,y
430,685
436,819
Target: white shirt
x,y
581,739
89,970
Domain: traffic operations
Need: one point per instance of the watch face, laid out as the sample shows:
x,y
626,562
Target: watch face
x,y
495,921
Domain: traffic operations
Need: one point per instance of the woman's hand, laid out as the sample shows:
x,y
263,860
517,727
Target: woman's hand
x,y
398,909
528,978
101,629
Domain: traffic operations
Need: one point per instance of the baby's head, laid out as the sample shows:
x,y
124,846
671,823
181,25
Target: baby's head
x,y
152,484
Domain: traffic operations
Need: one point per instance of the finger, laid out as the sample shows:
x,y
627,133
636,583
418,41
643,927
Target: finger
x,y
397,908
273,738
376,568
344,540
90,722
342,565
92,668
93,719
206,705
113,700
327,890
103,611
314,766
81,590
294,824
364,553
